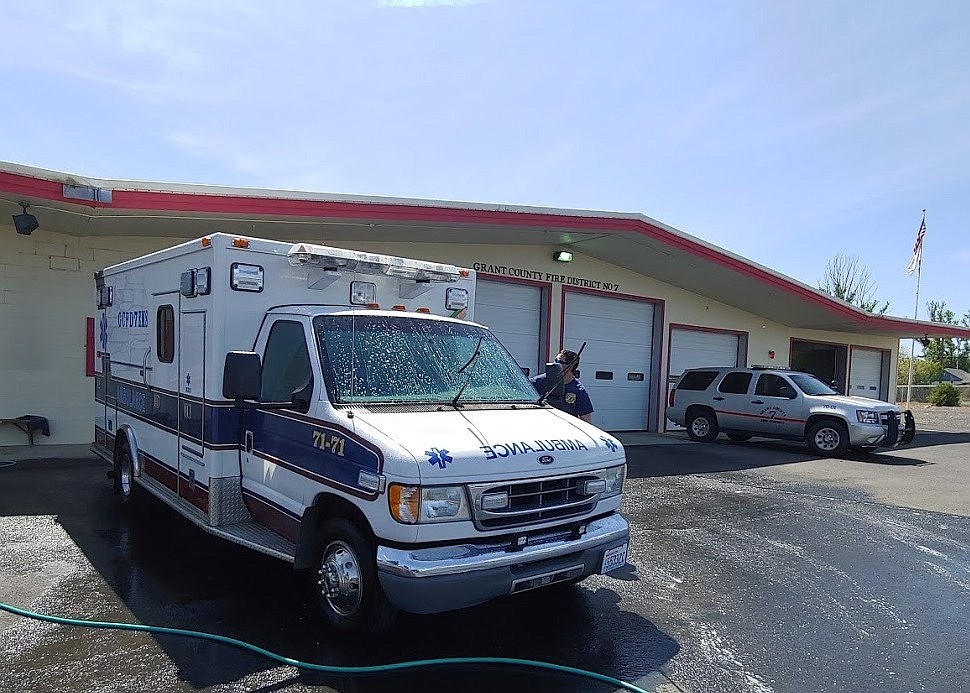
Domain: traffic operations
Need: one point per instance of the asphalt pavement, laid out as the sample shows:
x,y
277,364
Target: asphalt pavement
x,y
753,568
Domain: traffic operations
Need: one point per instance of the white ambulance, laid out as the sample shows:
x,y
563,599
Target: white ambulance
x,y
338,410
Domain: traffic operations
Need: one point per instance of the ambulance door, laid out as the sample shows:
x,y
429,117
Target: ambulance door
x,y
193,471
280,451
149,390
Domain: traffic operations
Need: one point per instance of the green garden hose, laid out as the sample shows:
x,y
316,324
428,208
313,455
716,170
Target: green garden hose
x,y
327,668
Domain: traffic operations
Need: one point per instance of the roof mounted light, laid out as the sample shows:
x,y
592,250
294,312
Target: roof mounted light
x,y
371,263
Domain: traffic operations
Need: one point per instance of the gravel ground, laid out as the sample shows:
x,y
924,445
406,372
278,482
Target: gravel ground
x,y
947,419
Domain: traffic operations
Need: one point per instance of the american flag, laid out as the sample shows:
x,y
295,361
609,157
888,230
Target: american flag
x,y
918,247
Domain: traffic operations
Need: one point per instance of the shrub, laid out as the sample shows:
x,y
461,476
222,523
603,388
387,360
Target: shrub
x,y
944,395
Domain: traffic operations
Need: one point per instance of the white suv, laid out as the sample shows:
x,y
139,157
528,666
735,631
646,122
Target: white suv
x,y
774,403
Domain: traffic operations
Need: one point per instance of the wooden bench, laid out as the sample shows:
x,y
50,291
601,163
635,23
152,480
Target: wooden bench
x,y
29,425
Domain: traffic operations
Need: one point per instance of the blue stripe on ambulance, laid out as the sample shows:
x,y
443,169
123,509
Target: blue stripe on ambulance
x,y
279,435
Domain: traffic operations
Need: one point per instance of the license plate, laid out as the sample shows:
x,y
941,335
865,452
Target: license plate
x,y
614,558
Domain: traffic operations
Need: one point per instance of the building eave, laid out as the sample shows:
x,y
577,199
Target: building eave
x,y
629,240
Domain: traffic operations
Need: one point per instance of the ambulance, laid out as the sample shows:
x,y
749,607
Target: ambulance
x,y
341,411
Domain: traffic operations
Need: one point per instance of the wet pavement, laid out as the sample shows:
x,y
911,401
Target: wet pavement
x,y
742,579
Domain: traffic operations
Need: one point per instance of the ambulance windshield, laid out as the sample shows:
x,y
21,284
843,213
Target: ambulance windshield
x,y
381,359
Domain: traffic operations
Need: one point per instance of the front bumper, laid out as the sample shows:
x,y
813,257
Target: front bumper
x,y
443,578
890,433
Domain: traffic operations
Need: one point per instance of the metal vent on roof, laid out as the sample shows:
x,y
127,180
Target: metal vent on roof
x,y
86,192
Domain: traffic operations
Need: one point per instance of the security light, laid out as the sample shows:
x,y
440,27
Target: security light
x,y
562,256
25,223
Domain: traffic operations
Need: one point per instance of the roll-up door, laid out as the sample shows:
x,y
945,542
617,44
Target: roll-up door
x,y
865,373
514,314
617,364
700,349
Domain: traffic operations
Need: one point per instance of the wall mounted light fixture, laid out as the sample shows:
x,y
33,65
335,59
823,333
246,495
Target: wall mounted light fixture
x,y
25,223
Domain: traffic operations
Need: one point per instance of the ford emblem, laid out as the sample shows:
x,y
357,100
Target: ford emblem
x,y
547,459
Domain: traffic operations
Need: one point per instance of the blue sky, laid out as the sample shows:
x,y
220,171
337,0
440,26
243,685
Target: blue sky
x,y
785,132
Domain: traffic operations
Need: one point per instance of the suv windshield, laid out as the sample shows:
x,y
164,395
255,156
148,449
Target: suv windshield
x,y
371,359
811,385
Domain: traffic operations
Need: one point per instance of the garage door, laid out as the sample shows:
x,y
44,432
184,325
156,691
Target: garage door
x,y
865,374
514,313
615,367
699,349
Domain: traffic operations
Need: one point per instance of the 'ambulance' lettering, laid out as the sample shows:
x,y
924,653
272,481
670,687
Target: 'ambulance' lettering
x,y
522,447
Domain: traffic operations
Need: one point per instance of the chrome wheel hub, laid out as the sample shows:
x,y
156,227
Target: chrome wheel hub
x,y
340,578
827,439
700,427
124,480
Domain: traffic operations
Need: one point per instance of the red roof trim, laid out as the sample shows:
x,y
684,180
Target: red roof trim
x,y
274,206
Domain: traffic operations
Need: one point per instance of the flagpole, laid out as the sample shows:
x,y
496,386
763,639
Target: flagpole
x,y
912,347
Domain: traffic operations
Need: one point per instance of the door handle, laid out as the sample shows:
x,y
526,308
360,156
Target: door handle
x,y
144,366
756,401
719,399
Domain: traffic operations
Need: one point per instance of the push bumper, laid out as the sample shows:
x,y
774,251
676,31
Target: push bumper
x,y
443,578
891,432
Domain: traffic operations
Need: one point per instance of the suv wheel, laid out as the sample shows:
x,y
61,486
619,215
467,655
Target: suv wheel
x,y
702,426
827,438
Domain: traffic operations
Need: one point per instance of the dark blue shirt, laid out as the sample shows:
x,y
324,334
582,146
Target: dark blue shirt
x,y
575,399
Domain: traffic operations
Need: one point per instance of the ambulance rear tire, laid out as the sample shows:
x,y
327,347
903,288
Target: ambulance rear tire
x,y
347,589
124,477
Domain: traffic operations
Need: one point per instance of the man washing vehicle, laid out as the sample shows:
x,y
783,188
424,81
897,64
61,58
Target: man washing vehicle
x,y
575,399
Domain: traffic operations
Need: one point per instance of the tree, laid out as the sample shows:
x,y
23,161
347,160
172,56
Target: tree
x,y
846,278
948,352
925,372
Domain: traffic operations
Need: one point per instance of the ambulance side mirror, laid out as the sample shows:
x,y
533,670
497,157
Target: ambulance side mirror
x,y
242,376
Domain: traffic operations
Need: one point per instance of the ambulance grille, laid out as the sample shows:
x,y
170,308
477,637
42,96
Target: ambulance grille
x,y
533,501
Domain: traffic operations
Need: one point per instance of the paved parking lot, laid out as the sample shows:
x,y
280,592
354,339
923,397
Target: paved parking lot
x,y
754,568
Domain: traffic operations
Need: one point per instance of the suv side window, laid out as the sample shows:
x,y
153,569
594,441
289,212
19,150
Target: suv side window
x,y
286,363
696,380
770,385
735,383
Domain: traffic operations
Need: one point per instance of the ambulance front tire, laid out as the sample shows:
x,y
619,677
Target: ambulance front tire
x,y
347,589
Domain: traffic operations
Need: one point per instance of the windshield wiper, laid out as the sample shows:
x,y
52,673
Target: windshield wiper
x,y
469,362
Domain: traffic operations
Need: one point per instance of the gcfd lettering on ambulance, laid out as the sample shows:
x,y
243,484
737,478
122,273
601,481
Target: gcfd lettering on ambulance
x,y
133,318
522,447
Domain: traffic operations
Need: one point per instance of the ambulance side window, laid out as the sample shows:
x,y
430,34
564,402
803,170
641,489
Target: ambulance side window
x,y
286,363
165,333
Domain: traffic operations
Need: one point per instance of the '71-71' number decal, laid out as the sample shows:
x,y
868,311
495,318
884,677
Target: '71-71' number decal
x,y
329,442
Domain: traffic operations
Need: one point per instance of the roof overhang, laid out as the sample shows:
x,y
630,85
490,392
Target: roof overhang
x,y
83,206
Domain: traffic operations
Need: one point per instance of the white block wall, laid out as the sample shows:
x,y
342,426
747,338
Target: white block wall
x,y
46,292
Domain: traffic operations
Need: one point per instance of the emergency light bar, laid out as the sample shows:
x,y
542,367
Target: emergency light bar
x,y
338,259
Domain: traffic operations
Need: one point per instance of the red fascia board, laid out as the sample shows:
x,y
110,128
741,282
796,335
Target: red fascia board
x,y
32,187
229,204
386,211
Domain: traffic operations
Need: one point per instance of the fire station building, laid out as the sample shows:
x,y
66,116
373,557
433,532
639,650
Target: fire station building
x,y
648,300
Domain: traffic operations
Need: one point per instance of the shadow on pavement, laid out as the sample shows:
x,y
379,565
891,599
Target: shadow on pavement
x,y
726,456
168,572
925,439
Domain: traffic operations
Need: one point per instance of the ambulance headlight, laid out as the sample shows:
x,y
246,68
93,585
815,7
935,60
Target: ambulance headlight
x,y
414,504
613,477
